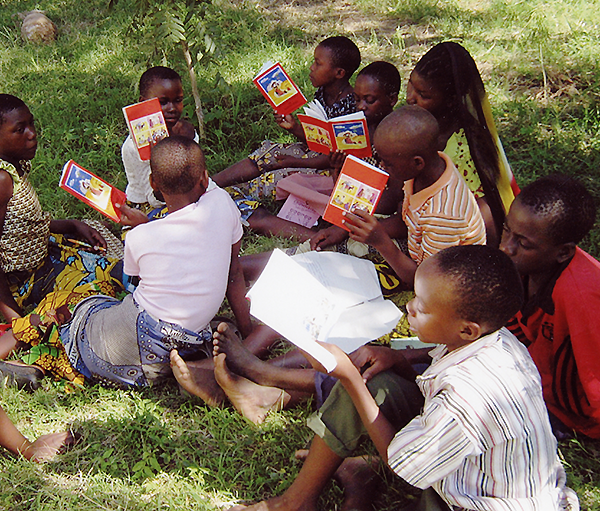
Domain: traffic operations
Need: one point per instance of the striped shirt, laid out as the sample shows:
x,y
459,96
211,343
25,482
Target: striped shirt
x,y
483,440
442,215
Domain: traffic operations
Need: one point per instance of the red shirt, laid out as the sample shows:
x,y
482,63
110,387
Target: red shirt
x,y
561,328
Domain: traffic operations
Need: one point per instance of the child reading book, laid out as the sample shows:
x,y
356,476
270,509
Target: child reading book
x,y
165,84
36,254
472,431
187,263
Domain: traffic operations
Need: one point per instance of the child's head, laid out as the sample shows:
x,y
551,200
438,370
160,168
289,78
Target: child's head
x,y
376,90
407,142
178,166
545,222
336,58
463,293
165,84
18,137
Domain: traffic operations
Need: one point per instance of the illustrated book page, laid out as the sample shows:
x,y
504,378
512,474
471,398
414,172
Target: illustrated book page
x,y
278,89
146,125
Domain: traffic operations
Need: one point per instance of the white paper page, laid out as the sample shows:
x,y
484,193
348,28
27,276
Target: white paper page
x,y
316,110
356,116
351,279
264,67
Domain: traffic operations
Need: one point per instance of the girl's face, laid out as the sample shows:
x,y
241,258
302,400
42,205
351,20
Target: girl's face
x,y
372,99
18,137
322,70
423,93
170,95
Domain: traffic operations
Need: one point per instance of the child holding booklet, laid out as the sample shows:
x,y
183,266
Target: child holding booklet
x,y
472,431
36,256
335,60
187,263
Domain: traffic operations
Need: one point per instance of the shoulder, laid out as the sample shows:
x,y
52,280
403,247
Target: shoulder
x,y
185,129
6,186
580,278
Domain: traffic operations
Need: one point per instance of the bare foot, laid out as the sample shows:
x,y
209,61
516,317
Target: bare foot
x,y
239,358
253,401
198,379
48,446
359,479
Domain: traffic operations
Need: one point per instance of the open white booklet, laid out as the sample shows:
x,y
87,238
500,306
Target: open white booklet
x,y
322,296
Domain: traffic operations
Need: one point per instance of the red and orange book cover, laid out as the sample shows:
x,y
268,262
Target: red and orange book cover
x,y
146,125
279,89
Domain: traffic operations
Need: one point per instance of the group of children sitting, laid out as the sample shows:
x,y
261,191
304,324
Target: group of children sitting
x,y
475,430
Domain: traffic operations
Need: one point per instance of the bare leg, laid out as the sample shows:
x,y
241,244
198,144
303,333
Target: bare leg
x,y
493,238
198,378
253,265
260,340
239,172
321,463
43,449
253,401
7,344
263,222
246,364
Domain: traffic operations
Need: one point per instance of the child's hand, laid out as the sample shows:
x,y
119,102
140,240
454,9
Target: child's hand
x,y
89,234
328,237
336,161
364,228
373,360
344,370
287,122
131,216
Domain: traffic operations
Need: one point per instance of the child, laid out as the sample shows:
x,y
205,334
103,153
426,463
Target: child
x,y
447,83
482,439
187,263
165,84
35,253
335,60
42,449
559,322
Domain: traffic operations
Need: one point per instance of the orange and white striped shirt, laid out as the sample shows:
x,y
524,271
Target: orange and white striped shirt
x,y
442,215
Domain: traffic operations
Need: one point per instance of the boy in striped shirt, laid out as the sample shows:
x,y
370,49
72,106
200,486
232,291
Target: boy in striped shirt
x,y
472,430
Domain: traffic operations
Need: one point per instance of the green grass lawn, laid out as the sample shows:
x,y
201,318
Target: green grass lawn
x,y
155,449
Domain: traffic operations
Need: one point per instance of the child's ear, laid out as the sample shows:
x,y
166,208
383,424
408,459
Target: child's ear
x,y
419,162
470,331
152,183
565,252
340,73
393,99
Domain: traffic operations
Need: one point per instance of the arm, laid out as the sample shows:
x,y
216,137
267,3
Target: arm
x,y
8,307
372,360
79,230
366,229
290,162
289,123
131,216
236,292
328,237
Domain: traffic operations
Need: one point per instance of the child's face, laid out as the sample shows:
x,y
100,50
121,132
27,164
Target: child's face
x,y
18,137
526,241
372,99
396,157
170,95
431,313
423,93
322,71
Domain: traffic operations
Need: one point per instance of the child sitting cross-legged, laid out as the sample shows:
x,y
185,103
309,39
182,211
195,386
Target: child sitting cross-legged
x,y
187,263
472,430
335,61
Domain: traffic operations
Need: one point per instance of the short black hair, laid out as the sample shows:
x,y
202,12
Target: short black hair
x,y
154,74
8,103
344,53
385,73
487,286
177,164
566,202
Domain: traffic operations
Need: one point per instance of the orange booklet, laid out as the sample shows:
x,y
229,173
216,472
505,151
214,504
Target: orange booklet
x,y
359,187
92,190
348,133
146,124
279,89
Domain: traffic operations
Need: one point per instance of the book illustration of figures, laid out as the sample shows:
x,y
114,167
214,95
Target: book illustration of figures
x,y
358,187
349,136
317,135
146,125
279,89
92,190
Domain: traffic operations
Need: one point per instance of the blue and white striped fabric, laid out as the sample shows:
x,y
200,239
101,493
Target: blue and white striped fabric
x,y
483,441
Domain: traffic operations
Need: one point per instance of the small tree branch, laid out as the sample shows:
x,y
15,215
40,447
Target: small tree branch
x,y
195,93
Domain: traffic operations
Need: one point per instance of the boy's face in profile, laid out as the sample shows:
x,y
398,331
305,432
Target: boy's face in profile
x,y
526,241
170,95
18,136
396,156
322,70
431,313
372,99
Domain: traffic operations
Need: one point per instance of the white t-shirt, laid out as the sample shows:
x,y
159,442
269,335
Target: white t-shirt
x,y
138,174
183,260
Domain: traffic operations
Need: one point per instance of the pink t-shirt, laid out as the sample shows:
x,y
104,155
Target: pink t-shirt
x,y
183,260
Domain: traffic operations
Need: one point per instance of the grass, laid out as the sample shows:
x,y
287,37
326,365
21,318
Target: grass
x,y
155,449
